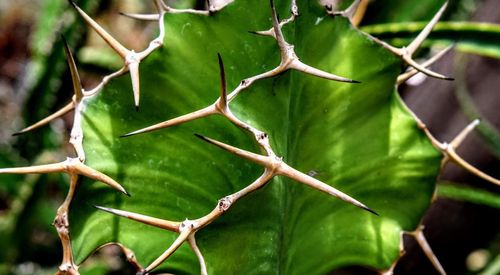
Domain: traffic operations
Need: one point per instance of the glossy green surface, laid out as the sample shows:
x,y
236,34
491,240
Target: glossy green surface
x,y
356,137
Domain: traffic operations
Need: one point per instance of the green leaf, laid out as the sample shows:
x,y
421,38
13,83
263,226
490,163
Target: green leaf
x,y
470,37
388,11
487,130
355,137
468,194
383,11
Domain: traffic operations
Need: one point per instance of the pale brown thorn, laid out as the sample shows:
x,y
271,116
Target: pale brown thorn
x,y
426,248
176,121
406,53
349,12
37,169
220,107
417,42
64,110
464,133
360,13
70,165
452,155
110,40
75,77
130,256
131,58
127,252
299,66
286,170
192,243
177,243
222,102
281,168
259,159
145,17
85,170
289,59
449,152
277,28
408,59
168,225
133,68
77,90
407,75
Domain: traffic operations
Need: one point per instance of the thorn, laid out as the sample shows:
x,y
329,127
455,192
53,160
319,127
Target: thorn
x,y
452,155
36,169
85,170
175,121
177,243
259,159
223,97
263,33
351,10
415,44
192,243
278,35
144,17
426,248
160,223
202,137
64,110
70,166
75,77
408,59
110,40
133,67
290,172
283,169
406,53
300,66
464,133
405,76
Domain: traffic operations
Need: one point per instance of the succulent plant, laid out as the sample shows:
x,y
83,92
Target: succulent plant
x,y
265,145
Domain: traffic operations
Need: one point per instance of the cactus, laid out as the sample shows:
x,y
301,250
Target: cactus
x,y
258,145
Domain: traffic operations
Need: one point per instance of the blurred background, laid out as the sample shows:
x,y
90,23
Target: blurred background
x,y
462,225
